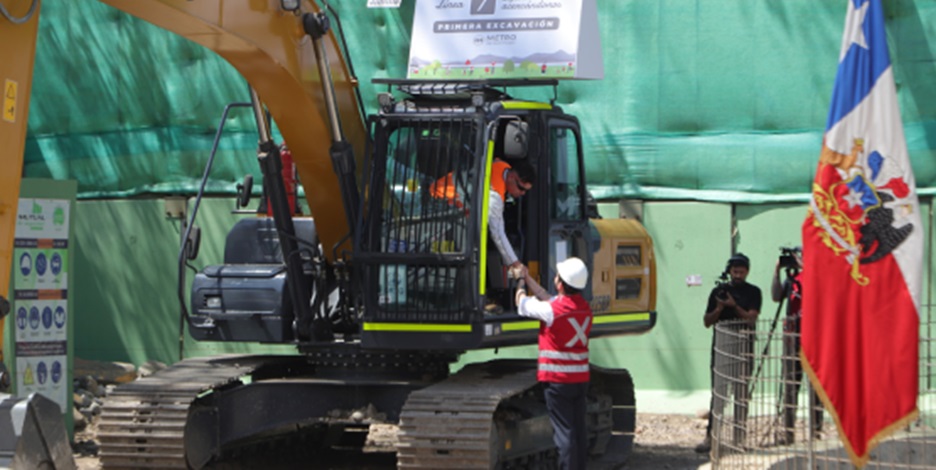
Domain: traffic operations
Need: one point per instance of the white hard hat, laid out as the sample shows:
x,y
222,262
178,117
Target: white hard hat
x,y
573,272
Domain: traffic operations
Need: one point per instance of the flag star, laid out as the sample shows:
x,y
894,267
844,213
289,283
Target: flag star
x,y
853,199
854,28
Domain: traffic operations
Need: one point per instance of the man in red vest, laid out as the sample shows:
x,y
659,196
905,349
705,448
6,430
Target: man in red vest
x,y
566,321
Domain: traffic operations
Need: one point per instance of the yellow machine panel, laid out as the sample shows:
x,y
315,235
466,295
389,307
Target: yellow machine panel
x,y
623,278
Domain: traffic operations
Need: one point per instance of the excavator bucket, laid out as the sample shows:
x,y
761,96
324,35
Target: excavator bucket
x,y
32,434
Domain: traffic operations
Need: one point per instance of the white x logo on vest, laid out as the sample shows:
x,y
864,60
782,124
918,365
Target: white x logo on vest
x,y
579,332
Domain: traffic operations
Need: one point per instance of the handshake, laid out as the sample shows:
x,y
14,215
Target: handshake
x,y
517,271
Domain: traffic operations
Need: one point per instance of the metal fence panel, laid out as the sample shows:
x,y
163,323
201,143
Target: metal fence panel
x,y
762,401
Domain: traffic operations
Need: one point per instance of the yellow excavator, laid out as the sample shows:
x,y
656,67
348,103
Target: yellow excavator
x,y
384,286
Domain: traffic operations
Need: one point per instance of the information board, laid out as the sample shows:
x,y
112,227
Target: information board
x,y
503,39
40,298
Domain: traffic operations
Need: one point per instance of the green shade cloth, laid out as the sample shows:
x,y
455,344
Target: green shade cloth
x,y
715,100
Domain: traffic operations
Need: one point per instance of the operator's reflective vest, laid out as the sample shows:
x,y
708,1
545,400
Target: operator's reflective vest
x,y
499,178
563,346
444,187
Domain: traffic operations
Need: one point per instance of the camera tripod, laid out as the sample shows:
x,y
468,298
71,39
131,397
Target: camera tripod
x,y
787,286
788,372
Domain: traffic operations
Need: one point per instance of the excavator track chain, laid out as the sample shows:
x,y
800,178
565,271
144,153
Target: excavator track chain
x,y
143,422
451,424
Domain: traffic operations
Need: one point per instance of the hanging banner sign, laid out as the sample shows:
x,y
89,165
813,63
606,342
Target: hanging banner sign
x,y
503,39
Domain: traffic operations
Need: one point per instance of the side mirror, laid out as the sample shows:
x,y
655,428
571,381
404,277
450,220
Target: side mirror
x,y
516,139
244,191
193,243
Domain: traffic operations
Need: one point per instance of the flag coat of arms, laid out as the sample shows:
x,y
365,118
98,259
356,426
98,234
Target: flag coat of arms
x,y
863,249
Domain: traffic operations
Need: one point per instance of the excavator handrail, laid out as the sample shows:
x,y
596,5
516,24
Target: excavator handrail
x,y
183,249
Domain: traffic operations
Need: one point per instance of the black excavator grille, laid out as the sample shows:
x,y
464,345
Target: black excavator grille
x,y
420,221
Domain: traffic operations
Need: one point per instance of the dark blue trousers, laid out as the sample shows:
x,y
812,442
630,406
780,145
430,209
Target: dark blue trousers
x,y
566,404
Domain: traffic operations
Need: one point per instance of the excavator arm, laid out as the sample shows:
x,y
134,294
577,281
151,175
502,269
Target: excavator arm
x,y
266,44
270,48
19,22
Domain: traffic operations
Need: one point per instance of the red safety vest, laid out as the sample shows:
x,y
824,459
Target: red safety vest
x,y
563,346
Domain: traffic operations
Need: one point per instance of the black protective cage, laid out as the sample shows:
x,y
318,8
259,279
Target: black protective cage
x,y
418,237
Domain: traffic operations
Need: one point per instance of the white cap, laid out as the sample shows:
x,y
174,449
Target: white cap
x,y
573,272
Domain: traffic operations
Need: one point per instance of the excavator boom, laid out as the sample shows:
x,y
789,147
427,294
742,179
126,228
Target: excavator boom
x,y
19,24
271,50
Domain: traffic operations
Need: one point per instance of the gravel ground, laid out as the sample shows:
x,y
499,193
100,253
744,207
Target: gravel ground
x,y
663,441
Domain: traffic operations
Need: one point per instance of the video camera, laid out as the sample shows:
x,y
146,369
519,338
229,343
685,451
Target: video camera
x,y
721,286
788,258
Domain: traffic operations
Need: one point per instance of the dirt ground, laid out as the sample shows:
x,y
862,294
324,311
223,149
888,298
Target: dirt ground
x,y
662,442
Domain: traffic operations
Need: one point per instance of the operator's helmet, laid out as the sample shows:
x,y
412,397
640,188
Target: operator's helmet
x,y
739,259
573,272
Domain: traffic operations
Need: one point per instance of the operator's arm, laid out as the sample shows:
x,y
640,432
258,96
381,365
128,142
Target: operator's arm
x,y
496,225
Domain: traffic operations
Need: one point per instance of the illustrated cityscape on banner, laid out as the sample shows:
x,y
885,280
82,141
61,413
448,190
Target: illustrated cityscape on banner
x,y
40,298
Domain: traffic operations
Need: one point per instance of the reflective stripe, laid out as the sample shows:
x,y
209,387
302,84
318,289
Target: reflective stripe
x,y
563,368
564,356
525,105
623,318
419,327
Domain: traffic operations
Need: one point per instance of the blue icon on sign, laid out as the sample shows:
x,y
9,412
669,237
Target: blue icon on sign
x,y
21,318
56,371
34,318
47,317
56,263
42,372
25,264
41,264
59,316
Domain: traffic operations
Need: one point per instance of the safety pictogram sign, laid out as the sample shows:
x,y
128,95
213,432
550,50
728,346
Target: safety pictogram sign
x,y
9,101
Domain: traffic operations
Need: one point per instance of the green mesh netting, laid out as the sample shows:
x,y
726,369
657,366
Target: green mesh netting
x,y
722,100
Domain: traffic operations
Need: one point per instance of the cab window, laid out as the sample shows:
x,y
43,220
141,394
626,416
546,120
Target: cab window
x,y
565,178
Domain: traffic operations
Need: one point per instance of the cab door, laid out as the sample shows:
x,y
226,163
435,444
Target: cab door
x,y
568,233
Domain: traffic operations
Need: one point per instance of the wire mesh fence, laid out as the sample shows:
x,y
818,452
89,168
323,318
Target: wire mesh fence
x,y
765,415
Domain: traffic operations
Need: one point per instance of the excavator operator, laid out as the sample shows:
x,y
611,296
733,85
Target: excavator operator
x,y
514,180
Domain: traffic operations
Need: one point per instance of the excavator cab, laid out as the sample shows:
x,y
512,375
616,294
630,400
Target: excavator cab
x,y
426,264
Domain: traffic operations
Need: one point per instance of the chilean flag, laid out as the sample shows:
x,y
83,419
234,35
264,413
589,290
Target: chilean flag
x,y
863,249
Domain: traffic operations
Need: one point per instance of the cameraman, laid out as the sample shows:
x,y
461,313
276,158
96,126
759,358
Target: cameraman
x,y
792,370
733,300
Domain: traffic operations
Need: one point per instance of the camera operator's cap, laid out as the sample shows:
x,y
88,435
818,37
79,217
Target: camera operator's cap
x,y
573,272
739,259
